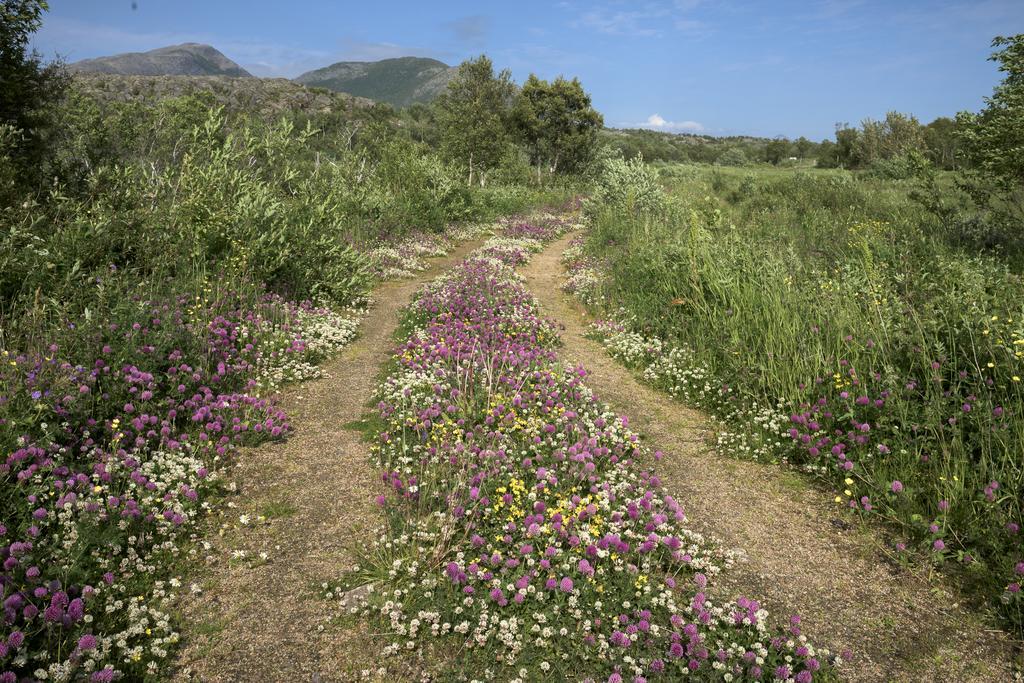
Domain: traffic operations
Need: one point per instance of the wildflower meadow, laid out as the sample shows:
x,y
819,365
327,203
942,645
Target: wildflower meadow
x,y
308,378
527,528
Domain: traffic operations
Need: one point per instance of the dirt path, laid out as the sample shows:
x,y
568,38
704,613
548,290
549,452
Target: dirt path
x,y
799,559
263,620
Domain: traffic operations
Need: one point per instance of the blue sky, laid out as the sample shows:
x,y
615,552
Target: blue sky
x,y
720,67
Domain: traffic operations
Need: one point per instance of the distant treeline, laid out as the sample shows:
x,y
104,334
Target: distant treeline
x,y
707,149
894,137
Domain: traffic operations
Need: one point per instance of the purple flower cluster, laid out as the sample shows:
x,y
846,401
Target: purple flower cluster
x,y
110,458
396,258
541,231
884,435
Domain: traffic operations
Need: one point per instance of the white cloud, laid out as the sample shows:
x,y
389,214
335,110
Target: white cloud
x,y
658,122
635,24
645,20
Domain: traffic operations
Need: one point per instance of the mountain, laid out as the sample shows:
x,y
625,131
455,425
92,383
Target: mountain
x,y
399,82
267,97
188,59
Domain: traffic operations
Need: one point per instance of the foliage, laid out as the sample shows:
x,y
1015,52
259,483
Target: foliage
x,y
268,98
908,164
994,138
629,186
27,88
734,156
941,143
897,135
994,143
830,324
777,151
558,124
661,146
828,155
473,116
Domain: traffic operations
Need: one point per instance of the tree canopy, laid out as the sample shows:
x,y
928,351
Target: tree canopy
x,y
994,137
26,86
474,117
557,123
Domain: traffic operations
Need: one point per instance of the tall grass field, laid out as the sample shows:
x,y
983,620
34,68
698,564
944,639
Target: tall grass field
x,y
834,324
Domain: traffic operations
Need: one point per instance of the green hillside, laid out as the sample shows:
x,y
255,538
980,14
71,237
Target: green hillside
x,y
398,82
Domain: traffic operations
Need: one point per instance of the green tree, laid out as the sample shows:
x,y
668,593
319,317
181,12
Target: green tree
x,y
903,135
941,143
557,123
777,150
994,138
828,155
733,156
846,145
803,147
421,123
474,117
897,135
27,86
993,144
868,147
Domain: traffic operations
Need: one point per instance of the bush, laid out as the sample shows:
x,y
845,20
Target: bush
x,y
412,189
734,156
911,164
630,186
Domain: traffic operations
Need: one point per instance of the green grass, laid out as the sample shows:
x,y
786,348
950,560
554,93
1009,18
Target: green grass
x,y
368,426
784,282
278,509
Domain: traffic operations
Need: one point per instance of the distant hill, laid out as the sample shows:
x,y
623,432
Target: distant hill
x,y
399,82
188,59
268,97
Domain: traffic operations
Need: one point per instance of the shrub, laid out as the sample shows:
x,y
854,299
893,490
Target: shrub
x,y
630,186
734,156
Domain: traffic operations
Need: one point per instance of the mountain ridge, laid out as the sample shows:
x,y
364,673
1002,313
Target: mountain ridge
x,y
398,81
268,97
186,59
